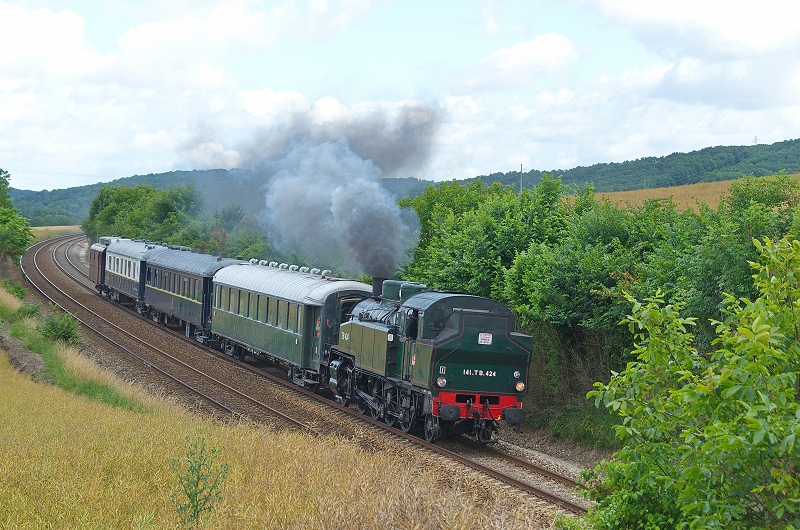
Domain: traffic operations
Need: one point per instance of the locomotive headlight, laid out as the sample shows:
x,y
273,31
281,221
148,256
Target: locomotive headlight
x,y
520,386
441,382
517,374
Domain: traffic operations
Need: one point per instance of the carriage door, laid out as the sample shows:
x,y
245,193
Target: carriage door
x,y
314,323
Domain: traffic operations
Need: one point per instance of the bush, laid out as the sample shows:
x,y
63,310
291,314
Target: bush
x,y
579,423
28,310
15,288
709,439
60,326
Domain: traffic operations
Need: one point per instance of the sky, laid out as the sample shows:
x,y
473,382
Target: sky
x,y
439,90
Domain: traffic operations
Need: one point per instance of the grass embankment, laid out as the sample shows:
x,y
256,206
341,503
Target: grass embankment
x,y
72,462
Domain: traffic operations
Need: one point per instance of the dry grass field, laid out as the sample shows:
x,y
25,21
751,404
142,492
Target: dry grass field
x,y
46,232
683,196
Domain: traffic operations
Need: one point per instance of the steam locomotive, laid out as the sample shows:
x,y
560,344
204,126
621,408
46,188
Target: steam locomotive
x,y
451,363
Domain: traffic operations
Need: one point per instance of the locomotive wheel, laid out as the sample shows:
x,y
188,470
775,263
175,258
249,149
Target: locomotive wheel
x,y
361,406
376,397
391,407
431,428
409,420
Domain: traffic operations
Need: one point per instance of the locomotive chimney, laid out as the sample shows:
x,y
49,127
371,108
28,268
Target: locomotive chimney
x,y
377,287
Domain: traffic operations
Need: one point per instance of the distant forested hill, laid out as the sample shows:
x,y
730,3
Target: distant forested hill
x,y
220,187
706,165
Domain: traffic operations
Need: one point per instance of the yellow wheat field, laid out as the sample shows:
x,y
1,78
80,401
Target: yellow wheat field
x,y
684,197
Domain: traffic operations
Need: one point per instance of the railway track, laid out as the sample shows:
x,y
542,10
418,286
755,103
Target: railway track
x,y
519,479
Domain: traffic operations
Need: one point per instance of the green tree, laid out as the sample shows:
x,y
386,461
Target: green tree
x,y
5,197
15,234
709,439
142,212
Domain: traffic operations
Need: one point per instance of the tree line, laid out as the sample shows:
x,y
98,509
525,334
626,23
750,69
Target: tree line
x,y
174,216
221,187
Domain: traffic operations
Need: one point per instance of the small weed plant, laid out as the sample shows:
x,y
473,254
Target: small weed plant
x,y
28,310
15,288
200,481
60,326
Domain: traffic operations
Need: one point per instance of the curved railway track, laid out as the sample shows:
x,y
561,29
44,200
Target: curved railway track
x,y
39,278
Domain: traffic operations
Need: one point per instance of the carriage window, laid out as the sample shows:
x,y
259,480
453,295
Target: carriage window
x,y
244,305
254,306
273,311
225,298
262,309
184,286
234,300
292,317
283,316
299,319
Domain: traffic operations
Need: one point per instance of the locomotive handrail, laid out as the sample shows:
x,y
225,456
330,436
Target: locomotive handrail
x,y
514,354
449,353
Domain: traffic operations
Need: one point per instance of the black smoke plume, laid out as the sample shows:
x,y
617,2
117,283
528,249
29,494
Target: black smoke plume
x,y
327,204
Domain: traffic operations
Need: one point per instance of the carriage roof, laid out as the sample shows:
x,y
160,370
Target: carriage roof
x,y
132,249
189,262
299,287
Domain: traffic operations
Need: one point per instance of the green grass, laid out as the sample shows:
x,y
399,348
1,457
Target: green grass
x,y
55,370
580,423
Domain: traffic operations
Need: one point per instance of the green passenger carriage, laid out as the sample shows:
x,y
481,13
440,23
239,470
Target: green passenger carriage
x,y
287,313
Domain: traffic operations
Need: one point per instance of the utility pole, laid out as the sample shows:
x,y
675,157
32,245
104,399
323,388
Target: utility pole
x,y
520,178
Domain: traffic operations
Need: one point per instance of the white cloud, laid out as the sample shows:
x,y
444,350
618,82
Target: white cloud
x,y
723,28
41,42
266,103
213,155
723,53
520,64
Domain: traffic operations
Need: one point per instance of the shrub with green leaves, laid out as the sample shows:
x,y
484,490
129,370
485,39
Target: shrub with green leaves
x,y
200,481
61,326
709,439
28,310
15,288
